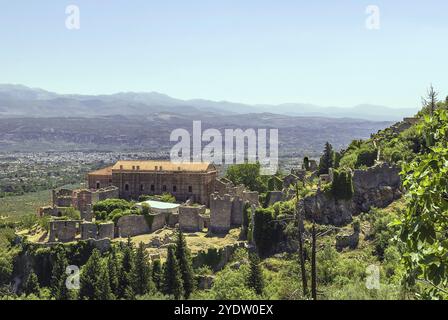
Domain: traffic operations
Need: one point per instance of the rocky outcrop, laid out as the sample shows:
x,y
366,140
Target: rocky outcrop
x,y
325,209
377,186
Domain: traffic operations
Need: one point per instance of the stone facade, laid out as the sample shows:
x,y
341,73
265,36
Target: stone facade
x,y
132,225
220,213
62,198
185,181
190,219
64,230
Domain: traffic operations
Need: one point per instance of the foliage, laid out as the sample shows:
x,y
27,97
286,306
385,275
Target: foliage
x,y
32,284
326,160
172,277
424,226
109,205
366,157
157,274
266,232
94,279
247,174
58,276
184,260
255,277
341,186
141,272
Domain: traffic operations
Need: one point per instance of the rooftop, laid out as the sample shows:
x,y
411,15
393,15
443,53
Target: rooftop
x,y
102,172
159,205
163,166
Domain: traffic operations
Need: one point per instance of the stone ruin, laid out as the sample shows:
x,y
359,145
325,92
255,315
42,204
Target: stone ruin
x,y
80,199
227,205
64,230
377,186
68,230
192,218
91,230
133,225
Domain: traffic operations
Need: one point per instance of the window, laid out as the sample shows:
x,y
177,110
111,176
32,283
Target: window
x,y
190,189
174,189
98,185
163,188
141,187
153,188
126,187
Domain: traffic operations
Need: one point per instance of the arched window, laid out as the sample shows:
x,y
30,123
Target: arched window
x,y
141,187
174,189
126,187
190,189
98,185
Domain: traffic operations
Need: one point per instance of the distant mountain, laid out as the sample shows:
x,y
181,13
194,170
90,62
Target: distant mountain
x,y
22,101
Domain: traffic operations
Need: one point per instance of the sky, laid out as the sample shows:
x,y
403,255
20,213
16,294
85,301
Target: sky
x,y
250,51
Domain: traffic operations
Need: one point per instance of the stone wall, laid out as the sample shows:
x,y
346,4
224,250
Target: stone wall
x,y
106,230
64,230
377,186
158,221
251,197
62,198
189,220
132,225
220,213
274,196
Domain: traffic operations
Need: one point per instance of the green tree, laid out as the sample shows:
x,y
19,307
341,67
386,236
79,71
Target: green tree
x,y
94,279
342,186
32,284
247,174
125,275
157,274
184,260
142,282
113,268
326,160
306,164
255,278
172,277
423,226
58,276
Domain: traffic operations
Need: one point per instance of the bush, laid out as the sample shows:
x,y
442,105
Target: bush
x,y
266,232
366,157
341,186
110,205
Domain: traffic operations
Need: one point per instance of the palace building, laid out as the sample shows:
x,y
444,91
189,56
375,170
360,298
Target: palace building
x,y
195,180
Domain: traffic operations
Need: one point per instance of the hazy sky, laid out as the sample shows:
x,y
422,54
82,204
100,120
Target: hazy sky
x,y
251,51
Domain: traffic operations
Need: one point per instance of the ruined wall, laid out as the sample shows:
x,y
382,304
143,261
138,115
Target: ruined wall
x,y
132,225
274,197
64,230
220,213
158,221
62,198
237,211
377,186
189,219
89,230
251,197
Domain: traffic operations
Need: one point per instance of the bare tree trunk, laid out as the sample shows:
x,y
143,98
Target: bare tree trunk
x,y
313,265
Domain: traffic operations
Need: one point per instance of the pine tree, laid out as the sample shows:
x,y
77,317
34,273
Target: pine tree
x,y
326,161
104,289
113,269
58,287
172,278
186,269
32,284
94,279
157,274
255,278
142,282
125,275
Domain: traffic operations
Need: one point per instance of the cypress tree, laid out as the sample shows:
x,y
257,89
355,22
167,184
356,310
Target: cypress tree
x,y
142,282
172,278
58,287
186,269
255,278
113,269
157,274
94,280
32,284
125,275
326,161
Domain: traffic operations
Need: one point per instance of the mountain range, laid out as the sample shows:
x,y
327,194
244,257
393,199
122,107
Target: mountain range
x,y
20,101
